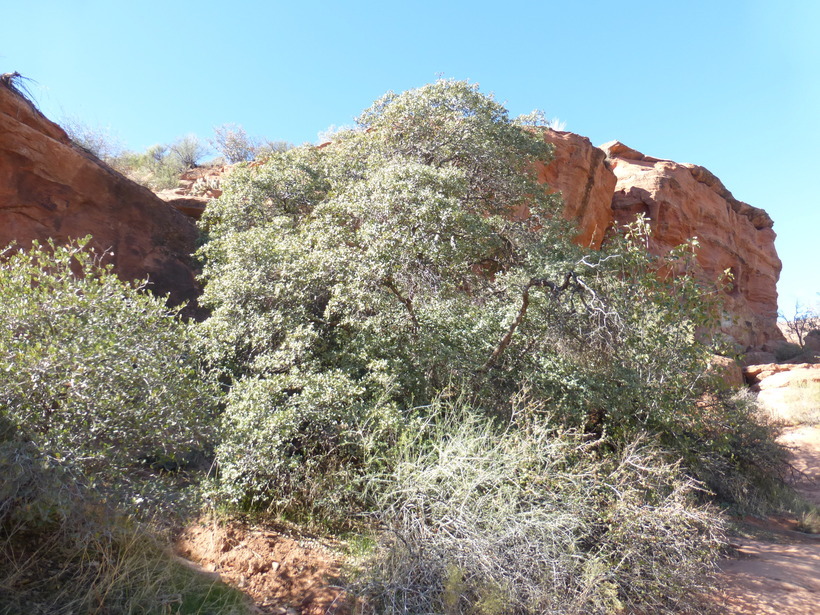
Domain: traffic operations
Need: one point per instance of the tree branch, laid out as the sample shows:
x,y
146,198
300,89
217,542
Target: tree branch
x,y
408,303
522,312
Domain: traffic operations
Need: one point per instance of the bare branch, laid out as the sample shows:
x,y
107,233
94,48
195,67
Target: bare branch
x,y
408,303
522,312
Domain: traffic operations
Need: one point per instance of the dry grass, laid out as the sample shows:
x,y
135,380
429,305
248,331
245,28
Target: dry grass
x,y
803,400
532,520
64,551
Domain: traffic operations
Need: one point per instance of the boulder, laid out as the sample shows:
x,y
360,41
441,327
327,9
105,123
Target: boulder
x,y
197,187
775,375
684,201
728,370
49,187
190,205
812,341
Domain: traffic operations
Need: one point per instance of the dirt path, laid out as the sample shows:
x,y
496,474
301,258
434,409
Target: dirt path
x,y
777,571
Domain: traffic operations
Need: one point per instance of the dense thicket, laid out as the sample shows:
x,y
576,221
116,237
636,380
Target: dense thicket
x,y
97,381
95,372
417,257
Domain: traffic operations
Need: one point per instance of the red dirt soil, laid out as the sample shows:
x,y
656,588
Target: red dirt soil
x,y
284,574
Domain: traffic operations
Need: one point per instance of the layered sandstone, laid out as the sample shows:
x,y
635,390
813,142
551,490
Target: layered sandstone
x,y
684,201
50,188
580,173
196,188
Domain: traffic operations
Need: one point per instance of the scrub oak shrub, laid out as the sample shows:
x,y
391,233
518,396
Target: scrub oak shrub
x,y
96,377
96,372
417,255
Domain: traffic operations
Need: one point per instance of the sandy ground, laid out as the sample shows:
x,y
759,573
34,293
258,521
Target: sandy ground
x,y
778,572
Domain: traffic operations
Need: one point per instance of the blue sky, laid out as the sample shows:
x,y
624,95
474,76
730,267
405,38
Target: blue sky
x,y
730,85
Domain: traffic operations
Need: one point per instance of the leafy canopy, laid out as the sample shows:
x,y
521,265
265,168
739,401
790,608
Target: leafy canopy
x,y
417,257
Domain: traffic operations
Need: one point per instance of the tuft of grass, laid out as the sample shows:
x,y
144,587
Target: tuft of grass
x,y
809,522
803,400
63,550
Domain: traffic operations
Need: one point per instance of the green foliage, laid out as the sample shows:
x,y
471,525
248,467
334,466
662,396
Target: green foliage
x,y
155,168
302,455
95,372
385,260
160,166
529,519
417,256
96,376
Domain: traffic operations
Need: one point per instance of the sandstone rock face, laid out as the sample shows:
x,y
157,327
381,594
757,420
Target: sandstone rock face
x,y
728,370
582,175
684,201
812,341
196,188
51,188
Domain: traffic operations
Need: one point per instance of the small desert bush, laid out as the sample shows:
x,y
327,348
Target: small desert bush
x,y
533,519
787,351
99,373
154,168
301,456
731,446
64,550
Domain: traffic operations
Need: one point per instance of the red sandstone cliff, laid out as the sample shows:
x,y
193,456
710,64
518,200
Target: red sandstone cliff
x,y
613,184
51,188
579,171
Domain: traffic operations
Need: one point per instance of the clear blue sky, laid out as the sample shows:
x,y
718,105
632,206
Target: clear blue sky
x,y
731,85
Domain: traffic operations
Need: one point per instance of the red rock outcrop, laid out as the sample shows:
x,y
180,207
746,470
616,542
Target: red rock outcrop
x,y
196,187
684,201
580,172
51,188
